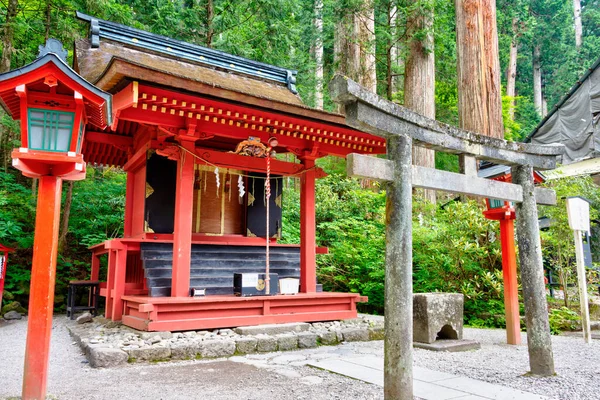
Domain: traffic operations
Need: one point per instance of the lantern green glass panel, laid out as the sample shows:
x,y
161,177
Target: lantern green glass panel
x,y
495,203
50,130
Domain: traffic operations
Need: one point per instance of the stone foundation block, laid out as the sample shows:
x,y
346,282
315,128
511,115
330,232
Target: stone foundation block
x,y
272,329
245,345
217,348
157,353
186,351
355,335
377,333
106,357
437,315
266,344
307,340
287,342
328,338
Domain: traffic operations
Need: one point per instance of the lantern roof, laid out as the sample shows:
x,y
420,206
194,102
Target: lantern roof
x,y
50,74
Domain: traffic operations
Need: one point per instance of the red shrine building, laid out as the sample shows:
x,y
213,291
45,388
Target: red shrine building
x,y
194,129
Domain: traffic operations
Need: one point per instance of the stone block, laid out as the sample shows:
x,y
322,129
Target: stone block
x,y
307,340
376,333
273,329
217,348
287,342
106,357
12,315
328,338
85,318
266,344
184,351
355,334
157,353
150,335
437,316
449,345
245,345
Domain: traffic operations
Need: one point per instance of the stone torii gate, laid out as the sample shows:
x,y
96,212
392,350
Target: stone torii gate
x,y
401,127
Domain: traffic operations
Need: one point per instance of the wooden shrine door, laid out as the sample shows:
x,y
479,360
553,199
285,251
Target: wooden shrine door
x,y
256,224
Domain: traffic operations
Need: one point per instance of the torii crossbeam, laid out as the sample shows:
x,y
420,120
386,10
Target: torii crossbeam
x,y
401,127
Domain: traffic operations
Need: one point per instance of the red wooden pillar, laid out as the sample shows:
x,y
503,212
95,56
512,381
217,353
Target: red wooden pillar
x,y
182,236
308,246
3,276
511,287
110,283
119,282
41,298
95,272
128,227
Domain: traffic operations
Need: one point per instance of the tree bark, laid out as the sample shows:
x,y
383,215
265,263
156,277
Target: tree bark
x,y
479,97
366,41
64,224
419,75
48,20
577,22
346,49
537,79
210,15
7,37
319,54
511,74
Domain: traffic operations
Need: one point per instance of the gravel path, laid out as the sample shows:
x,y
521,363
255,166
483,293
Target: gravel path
x,y
577,364
70,376
285,376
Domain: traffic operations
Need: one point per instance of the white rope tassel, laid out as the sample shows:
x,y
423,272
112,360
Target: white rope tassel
x,y
218,180
241,189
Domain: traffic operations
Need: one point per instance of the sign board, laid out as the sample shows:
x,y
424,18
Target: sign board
x,y
1,266
578,211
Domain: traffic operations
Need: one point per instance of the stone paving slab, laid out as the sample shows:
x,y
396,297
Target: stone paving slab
x,y
449,345
428,384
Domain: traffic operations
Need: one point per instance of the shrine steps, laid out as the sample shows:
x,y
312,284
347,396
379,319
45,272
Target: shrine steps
x,y
211,312
212,266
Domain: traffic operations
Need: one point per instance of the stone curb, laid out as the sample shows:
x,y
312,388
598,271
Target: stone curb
x,y
108,344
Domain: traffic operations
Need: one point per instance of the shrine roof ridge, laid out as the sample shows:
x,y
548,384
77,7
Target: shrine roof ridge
x,y
184,51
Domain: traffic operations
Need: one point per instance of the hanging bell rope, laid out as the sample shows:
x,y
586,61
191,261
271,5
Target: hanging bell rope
x,y
272,144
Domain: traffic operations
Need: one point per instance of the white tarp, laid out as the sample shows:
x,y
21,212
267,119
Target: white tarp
x,y
575,123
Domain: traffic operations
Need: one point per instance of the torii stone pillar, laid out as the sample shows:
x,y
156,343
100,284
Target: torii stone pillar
x,y
541,360
398,359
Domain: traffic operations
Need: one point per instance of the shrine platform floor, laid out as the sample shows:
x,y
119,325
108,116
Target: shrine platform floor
x,y
210,312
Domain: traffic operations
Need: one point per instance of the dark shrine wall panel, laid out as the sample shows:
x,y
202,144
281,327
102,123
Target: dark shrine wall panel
x,y
161,180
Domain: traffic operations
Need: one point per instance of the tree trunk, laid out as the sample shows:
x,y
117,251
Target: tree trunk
x,y
494,91
419,75
319,54
64,224
210,15
366,41
479,99
7,37
537,79
577,21
48,20
511,74
345,48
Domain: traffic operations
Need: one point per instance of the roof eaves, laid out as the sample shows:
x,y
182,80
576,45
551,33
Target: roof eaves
x,y
186,51
566,97
64,67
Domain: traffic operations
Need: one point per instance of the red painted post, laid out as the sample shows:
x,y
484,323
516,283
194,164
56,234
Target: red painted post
x,y
41,298
95,273
511,287
308,245
128,226
182,235
110,283
119,286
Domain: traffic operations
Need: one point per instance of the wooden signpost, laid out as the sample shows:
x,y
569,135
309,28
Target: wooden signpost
x,y
578,211
402,128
